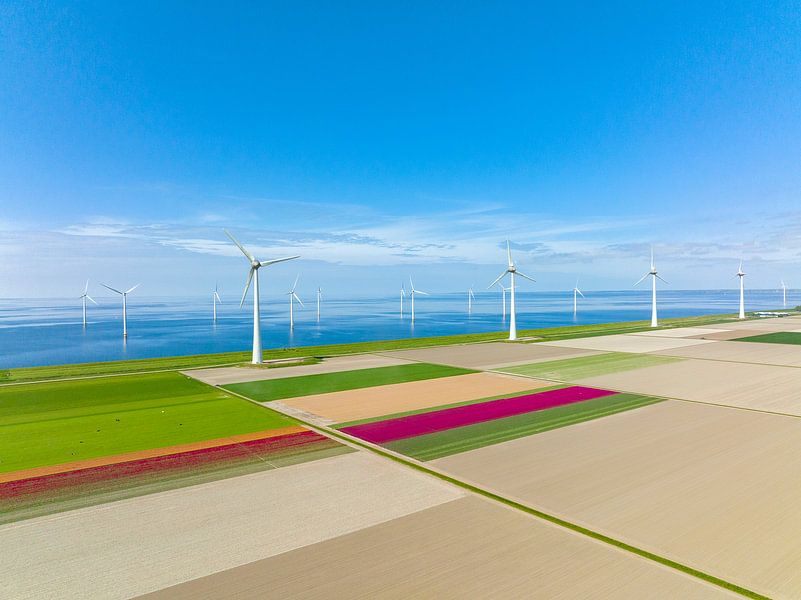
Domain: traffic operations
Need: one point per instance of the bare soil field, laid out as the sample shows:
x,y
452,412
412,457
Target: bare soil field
x,y
682,332
714,488
774,324
351,405
787,355
628,342
744,385
732,334
487,356
467,548
135,546
226,375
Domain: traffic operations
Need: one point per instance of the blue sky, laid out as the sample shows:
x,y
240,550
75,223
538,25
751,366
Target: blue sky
x,y
381,140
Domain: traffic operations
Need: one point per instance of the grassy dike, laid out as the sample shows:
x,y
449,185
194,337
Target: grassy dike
x,y
28,374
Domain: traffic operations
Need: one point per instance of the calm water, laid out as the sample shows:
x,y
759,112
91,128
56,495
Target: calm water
x,y
47,332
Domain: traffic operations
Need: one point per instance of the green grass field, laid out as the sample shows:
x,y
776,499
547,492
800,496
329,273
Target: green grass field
x,y
470,437
572,369
780,337
52,423
292,387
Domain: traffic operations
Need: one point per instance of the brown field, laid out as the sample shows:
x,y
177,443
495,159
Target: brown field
x,y
714,488
774,324
467,548
744,385
628,342
731,335
130,547
350,405
488,355
226,375
787,355
682,332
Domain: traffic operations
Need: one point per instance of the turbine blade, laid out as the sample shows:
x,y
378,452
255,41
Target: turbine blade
x,y
111,288
267,263
294,285
509,253
295,296
421,292
247,254
88,297
133,288
216,295
497,279
660,279
247,287
86,287
652,258
641,279
411,283
579,293
524,276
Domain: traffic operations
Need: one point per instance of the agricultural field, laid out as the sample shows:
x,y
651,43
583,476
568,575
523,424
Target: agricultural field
x,y
572,369
777,337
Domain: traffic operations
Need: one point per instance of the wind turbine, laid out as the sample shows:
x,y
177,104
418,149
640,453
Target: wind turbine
x,y
654,276
512,270
215,298
292,297
402,296
253,275
784,294
741,275
124,305
85,296
576,292
413,293
503,297
319,296
470,297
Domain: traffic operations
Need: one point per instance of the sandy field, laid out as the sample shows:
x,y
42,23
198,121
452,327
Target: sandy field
x,y
487,356
775,324
351,405
432,554
732,334
226,375
628,342
681,332
714,488
745,385
787,355
126,548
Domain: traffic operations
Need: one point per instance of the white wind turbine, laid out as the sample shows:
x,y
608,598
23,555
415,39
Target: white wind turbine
x,y
402,296
741,275
85,296
413,292
292,297
253,275
124,305
654,276
470,297
503,298
512,270
576,293
319,297
784,294
215,298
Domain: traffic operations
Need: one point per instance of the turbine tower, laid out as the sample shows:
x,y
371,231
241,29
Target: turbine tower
x,y
512,270
292,297
654,276
741,275
470,297
215,298
124,305
503,298
784,294
319,296
402,296
253,275
413,293
85,296
576,292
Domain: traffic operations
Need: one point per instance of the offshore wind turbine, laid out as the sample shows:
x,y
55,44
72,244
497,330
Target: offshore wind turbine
x,y
470,297
402,296
253,275
413,293
215,298
503,298
319,296
124,305
784,294
85,296
292,297
741,275
654,276
576,292
511,269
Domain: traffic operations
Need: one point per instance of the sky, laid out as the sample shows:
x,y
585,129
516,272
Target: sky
x,y
385,140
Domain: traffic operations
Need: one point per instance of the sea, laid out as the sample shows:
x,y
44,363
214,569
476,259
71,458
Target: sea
x,y
37,332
